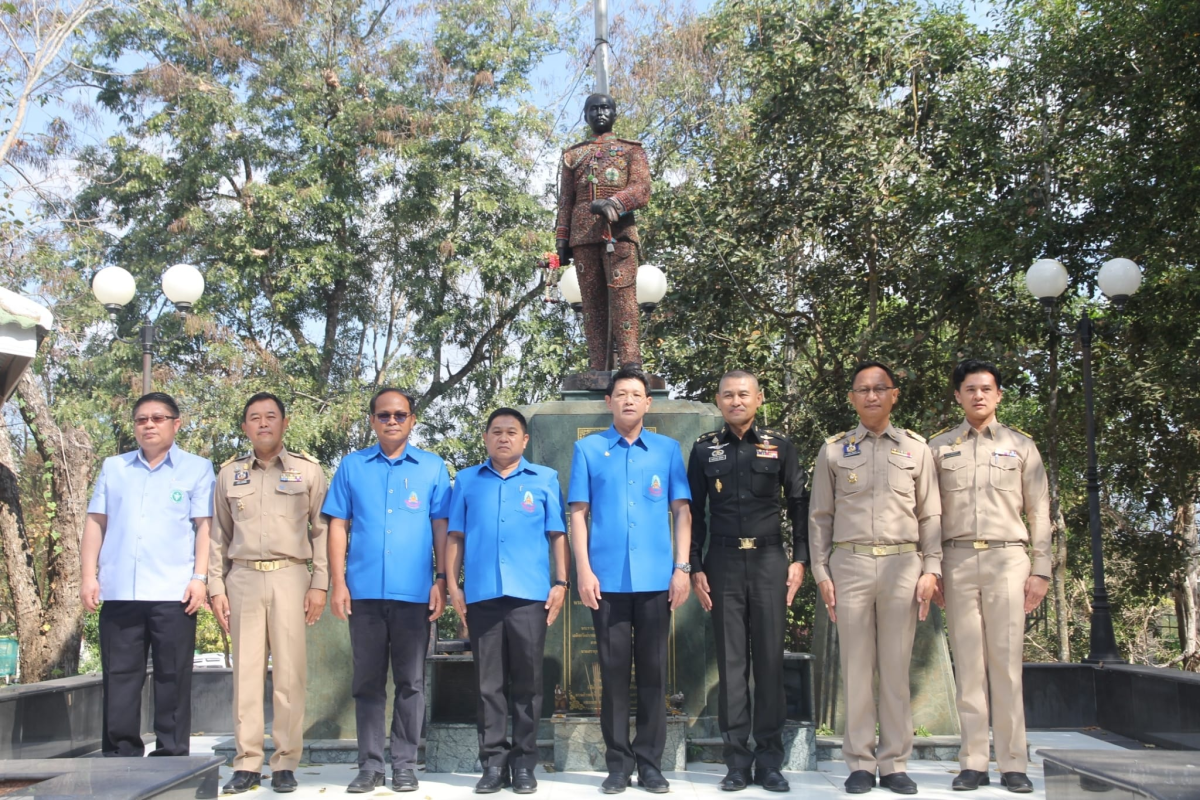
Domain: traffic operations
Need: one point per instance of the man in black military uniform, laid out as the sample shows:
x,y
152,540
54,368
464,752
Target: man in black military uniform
x,y
746,579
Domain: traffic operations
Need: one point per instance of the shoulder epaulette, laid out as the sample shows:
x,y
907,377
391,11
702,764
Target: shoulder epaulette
x,y
307,457
628,141
943,430
773,432
230,461
915,435
709,435
1018,430
836,437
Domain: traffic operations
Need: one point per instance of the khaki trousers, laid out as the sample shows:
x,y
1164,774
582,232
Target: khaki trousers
x,y
985,611
267,617
876,623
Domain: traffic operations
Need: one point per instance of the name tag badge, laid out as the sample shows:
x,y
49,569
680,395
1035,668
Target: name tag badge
x,y
952,454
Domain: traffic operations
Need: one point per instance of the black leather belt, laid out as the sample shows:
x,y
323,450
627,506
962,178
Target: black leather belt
x,y
747,543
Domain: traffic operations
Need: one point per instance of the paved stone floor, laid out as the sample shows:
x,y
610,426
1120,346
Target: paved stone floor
x,y
700,781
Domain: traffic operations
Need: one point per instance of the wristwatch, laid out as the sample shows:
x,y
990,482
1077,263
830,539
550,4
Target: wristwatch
x,y
683,566
439,576
564,584
196,576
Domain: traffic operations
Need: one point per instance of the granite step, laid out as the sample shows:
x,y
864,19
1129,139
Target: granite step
x,y
345,751
829,748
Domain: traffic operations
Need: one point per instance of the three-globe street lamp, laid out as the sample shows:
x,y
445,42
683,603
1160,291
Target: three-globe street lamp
x,y
651,288
114,287
1118,279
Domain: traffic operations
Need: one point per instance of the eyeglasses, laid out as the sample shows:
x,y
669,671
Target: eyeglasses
x,y
157,419
866,390
387,416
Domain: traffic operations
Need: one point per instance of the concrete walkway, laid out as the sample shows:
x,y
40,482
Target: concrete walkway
x,y
700,781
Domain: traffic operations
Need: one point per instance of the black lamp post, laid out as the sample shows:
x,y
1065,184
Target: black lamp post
x,y
1118,279
114,287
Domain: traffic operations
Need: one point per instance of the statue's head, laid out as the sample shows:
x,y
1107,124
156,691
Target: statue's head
x,y
600,111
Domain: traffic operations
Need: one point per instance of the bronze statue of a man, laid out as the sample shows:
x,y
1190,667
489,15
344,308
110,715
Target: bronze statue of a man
x,y
602,181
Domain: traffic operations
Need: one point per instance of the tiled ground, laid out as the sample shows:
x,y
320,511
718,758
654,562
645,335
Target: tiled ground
x,y
700,781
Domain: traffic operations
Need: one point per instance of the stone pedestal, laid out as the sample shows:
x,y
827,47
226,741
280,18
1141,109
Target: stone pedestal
x,y
931,677
452,747
571,657
579,745
799,748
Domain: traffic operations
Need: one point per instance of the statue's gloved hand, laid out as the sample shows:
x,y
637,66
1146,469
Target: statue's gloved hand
x,y
563,250
608,207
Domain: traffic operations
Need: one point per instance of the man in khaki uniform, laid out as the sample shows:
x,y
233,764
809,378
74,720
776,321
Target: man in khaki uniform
x,y
268,526
989,474
876,547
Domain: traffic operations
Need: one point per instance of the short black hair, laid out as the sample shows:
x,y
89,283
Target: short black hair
x,y
262,396
156,397
629,372
507,412
972,366
865,365
412,403
737,373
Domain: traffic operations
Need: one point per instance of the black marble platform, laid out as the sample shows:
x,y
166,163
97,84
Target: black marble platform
x,y
181,778
1121,775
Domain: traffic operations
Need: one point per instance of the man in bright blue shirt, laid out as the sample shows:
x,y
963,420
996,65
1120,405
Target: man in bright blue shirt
x,y
144,553
628,478
502,514
391,500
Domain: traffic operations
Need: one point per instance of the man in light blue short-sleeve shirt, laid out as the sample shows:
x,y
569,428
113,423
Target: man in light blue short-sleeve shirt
x,y
144,554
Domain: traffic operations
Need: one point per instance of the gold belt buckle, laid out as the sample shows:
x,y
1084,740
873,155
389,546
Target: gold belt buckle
x,y
266,566
979,544
879,550
747,544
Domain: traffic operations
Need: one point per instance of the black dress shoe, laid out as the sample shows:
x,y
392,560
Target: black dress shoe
x,y
523,781
771,779
404,780
898,782
968,780
1016,782
860,782
494,779
650,779
734,780
366,781
242,781
283,781
615,783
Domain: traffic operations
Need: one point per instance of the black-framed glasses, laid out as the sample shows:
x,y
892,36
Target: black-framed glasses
x,y
387,416
877,390
157,419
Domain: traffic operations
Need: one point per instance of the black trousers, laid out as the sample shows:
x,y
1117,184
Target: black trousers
x,y
508,640
749,594
130,630
383,632
631,630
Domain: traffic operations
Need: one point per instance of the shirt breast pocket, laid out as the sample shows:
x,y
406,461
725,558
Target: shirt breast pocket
x,y
717,469
654,484
292,499
901,473
1005,473
852,473
532,503
416,499
764,478
953,474
179,501
242,502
